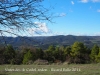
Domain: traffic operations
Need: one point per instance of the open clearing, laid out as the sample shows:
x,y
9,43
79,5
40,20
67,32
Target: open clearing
x,y
73,69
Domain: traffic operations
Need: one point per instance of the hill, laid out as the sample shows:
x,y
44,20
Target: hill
x,y
44,41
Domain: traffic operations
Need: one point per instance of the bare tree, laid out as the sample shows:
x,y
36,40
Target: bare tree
x,y
18,15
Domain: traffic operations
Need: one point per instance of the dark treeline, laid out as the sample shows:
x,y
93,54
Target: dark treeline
x,y
77,53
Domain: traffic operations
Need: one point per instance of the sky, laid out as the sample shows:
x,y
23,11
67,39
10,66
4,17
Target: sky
x,y
75,17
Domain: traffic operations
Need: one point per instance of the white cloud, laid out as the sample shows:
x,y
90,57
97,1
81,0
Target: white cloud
x,y
72,2
84,1
98,10
62,14
39,28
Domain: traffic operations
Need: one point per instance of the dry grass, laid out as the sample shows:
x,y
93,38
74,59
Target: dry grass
x,y
73,69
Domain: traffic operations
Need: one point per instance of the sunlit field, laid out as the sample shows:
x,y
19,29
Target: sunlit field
x,y
65,69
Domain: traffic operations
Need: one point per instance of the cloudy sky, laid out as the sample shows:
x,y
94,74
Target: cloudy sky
x,y
76,17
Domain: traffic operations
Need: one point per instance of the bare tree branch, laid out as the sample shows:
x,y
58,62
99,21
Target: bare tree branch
x,y
21,14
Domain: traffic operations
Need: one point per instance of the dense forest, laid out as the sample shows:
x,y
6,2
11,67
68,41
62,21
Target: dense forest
x,y
76,53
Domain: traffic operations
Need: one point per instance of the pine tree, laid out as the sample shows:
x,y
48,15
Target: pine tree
x,y
27,57
9,54
50,53
98,57
77,52
94,53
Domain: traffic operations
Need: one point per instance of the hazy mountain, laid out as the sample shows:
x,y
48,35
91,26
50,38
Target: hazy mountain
x,y
45,41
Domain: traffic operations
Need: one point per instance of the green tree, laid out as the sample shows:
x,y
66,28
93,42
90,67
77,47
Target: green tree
x,y
61,53
86,55
27,57
56,53
2,49
19,57
9,54
50,53
94,53
98,58
39,53
77,52
67,52
51,48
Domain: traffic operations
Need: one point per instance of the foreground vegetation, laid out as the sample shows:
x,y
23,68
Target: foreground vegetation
x,y
77,53
73,69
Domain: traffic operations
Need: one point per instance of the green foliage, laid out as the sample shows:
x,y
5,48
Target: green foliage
x,y
95,50
27,57
9,54
50,53
18,58
51,48
98,58
2,49
49,56
59,53
67,51
39,53
56,53
94,53
77,49
77,53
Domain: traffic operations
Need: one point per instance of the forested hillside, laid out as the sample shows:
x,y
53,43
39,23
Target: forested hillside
x,y
44,41
50,49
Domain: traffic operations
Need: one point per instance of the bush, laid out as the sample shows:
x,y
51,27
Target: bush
x,y
41,62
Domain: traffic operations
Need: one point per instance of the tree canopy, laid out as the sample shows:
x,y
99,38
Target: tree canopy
x,y
77,53
94,53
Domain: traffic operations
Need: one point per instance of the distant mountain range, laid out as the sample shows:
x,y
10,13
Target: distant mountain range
x,y
44,41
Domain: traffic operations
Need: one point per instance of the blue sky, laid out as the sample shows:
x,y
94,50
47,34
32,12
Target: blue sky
x,y
76,17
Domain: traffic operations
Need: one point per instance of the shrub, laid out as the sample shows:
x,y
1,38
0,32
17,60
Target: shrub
x,y
41,62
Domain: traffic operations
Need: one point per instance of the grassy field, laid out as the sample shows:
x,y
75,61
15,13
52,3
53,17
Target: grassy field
x,y
73,69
